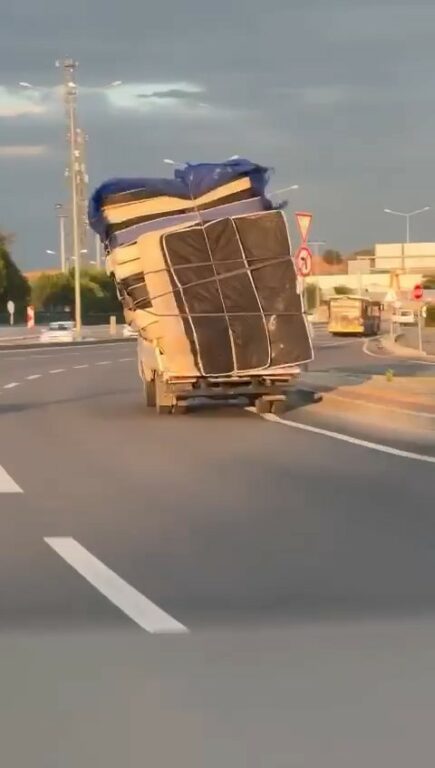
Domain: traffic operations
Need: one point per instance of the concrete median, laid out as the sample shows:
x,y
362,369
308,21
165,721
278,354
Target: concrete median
x,y
403,401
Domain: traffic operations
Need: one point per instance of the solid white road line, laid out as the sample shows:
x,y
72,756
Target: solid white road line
x,y
34,376
348,439
11,385
422,362
373,354
141,610
7,485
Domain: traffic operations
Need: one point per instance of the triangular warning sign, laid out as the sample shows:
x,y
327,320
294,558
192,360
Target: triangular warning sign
x,y
304,222
390,297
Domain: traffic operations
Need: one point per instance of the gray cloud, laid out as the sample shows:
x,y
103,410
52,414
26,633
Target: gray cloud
x,y
336,96
171,93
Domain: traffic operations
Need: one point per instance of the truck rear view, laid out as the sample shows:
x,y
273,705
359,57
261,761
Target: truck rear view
x,y
203,268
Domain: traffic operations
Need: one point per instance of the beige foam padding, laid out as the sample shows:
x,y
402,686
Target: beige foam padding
x,y
116,214
162,325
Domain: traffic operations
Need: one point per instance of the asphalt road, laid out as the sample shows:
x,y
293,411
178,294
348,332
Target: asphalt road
x,y
302,567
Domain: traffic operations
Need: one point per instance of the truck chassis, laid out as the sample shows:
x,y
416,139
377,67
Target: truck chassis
x,y
266,394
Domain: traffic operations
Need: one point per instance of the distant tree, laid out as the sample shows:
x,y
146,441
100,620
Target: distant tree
x,y
332,257
313,294
13,284
364,252
53,292
429,283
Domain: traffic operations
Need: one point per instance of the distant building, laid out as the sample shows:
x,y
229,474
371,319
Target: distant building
x,y
406,257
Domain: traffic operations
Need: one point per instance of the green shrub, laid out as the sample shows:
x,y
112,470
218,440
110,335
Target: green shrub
x,y
430,316
343,290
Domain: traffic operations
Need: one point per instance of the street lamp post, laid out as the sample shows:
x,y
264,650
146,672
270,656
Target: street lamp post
x,y
97,251
61,216
70,67
407,216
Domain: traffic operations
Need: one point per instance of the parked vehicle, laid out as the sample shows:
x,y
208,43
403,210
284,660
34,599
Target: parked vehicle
x,y
404,317
57,332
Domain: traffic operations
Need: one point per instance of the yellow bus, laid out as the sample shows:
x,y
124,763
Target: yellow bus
x,y
354,315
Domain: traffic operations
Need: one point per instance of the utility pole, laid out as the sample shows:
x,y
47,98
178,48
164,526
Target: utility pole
x,y
61,216
70,94
82,188
97,251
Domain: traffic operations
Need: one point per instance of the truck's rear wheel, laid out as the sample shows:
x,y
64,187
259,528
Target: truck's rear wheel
x,y
262,405
150,393
162,409
279,407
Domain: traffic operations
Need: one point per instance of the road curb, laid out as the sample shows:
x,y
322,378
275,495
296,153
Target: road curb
x,y
390,415
61,345
400,350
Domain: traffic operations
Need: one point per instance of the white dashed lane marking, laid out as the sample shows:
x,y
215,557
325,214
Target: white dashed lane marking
x,y
34,376
7,485
135,605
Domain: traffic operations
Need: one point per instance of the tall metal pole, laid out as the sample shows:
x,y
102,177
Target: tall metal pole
x,y
70,67
75,218
97,251
61,216
62,243
408,215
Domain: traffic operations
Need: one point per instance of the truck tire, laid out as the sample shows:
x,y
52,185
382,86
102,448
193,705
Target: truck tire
x,y
262,405
164,409
150,393
279,407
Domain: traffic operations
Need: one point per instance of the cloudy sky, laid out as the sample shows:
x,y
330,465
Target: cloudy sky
x,y
336,95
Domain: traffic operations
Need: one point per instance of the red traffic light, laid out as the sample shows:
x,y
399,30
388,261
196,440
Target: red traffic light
x,y
417,292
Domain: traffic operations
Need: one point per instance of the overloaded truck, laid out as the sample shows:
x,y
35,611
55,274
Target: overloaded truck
x,y
203,268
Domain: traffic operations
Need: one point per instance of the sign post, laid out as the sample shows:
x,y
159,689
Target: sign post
x,y
30,317
417,295
303,258
420,334
10,306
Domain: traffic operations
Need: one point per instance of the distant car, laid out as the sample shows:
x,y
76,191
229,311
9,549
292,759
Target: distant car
x,y
129,333
404,317
57,333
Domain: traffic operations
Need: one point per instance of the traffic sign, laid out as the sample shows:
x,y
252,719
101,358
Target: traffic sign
x,y
417,292
304,223
390,297
304,261
10,306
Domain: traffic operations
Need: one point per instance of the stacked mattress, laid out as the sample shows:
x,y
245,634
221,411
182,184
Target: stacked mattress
x,y
203,267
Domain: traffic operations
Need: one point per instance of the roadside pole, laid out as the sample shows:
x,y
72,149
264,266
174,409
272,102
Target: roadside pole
x,y
420,333
11,309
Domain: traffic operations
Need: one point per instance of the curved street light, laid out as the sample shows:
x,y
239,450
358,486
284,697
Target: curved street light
x,y
407,216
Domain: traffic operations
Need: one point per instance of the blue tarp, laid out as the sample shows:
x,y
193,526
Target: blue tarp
x,y
192,180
